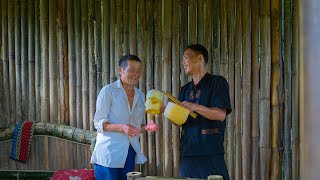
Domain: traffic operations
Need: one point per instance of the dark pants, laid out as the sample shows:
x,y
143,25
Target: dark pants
x,y
203,166
106,173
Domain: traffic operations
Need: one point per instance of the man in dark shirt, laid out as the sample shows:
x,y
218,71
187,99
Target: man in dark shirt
x,y
201,143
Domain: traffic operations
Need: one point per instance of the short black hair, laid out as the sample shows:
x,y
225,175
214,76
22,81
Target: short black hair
x,y
123,62
198,48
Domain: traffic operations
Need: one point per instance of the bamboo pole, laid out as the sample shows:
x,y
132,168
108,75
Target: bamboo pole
x,y
63,63
24,60
45,107
167,55
17,54
200,21
231,80
2,115
295,139
183,31
53,75
31,62
125,22
84,60
287,89
216,38
192,26
208,29
157,81
98,40
92,64
175,84
255,161
264,104
113,61
106,42
246,89
275,81
71,63
223,39
118,51
133,26
77,32
150,83
238,99
142,53
6,81
37,59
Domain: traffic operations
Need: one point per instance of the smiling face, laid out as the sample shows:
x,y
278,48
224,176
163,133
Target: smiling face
x,y
191,62
132,72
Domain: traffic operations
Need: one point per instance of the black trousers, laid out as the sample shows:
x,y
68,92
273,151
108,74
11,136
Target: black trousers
x,y
203,166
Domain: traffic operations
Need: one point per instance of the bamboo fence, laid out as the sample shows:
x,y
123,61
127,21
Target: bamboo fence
x,y
57,55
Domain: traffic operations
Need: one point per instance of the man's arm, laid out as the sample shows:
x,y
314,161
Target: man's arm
x,y
124,128
209,113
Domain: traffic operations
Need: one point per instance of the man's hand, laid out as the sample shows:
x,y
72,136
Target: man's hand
x,y
188,105
130,130
151,126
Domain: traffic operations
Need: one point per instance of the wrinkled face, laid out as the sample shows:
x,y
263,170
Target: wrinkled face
x,y
132,73
191,62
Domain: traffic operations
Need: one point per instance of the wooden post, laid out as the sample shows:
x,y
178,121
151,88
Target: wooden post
x,y
77,33
125,22
84,60
31,62
133,26
71,63
208,30
98,40
106,42
265,75
216,38
157,82
63,63
192,14
113,61
17,54
275,84
309,99
45,106
5,59
167,55
92,65
37,59
24,61
238,100
287,89
246,89
2,116
231,80
200,21
118,51
255,160
183,31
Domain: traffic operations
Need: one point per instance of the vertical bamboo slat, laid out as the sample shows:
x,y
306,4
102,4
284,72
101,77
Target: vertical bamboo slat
x,y
275,91
2,122
192,26
31,62
17,54
98,40
200,21
238,97
125,22
84,67
37,59
216,37
246,89
118,51
208,29
149,83
223,39
63,63
53,73
113,61
71,63
295,139
106,42
158,81
24,60
231,80
44,21
133,26
264,99
167,54
287,89
92,64
183,32
5,59
175,84
255,164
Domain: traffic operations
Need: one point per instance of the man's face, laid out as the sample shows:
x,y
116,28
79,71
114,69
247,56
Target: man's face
x,y
191,62
132,73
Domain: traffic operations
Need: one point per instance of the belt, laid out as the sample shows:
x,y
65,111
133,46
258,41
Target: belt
x,y
210,131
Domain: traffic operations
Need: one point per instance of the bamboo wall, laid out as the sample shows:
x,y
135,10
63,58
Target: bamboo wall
x,y
57,55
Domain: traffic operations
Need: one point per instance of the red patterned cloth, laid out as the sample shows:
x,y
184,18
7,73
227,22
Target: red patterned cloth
x,y
74,174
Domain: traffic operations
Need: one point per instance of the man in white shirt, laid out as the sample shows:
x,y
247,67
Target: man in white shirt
x,y
119,119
